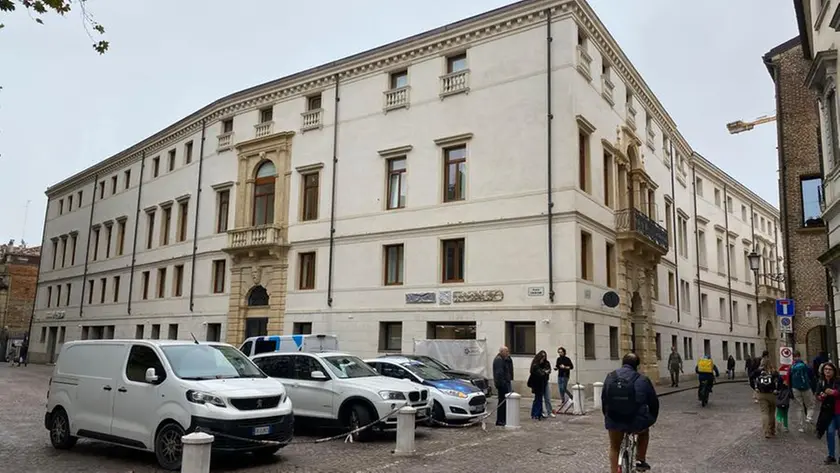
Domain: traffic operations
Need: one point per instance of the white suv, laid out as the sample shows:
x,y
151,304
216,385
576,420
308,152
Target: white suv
x,y
339,388
146,394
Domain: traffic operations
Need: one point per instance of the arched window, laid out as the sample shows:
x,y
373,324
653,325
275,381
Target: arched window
x,y
257,297
264,194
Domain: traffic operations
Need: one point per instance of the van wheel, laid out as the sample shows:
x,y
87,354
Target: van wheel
x,y
360,417
60,431
168,447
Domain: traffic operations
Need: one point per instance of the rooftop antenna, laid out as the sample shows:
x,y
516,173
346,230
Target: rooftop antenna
x,y
193,337
25,215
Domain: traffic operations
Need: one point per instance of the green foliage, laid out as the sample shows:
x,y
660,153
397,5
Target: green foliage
x,y
39,8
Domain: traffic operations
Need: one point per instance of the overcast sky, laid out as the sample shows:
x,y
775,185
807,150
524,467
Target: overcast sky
x,y
63,107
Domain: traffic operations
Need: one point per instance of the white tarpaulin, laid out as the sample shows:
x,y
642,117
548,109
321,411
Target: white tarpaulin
x,y
464,355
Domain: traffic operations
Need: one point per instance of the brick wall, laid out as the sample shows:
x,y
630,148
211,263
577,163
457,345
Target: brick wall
x,y
799,155
21,295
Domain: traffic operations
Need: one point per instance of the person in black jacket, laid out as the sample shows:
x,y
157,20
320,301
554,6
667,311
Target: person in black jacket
x,y
730,367
537,381
502,378
564,368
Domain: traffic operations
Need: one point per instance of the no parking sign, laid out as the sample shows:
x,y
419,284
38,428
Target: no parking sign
x,y
785,356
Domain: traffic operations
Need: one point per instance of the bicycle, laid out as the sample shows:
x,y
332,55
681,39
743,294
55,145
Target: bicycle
x,y
627,453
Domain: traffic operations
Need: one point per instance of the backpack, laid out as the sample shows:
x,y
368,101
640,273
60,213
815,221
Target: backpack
x,y
799,378
705,366
764,382
621,397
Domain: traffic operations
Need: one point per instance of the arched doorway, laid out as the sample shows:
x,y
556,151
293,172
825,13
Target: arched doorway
x,y
770,341
815,341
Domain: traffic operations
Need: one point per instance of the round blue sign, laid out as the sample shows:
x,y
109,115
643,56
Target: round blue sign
x,y
785,321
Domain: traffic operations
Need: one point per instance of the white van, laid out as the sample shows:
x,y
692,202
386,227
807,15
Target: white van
x,y
289,343
146,394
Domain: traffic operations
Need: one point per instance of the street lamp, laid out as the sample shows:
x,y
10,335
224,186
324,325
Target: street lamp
x,y
755,262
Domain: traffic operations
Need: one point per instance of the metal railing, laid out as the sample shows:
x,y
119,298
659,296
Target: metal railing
x,y
633,220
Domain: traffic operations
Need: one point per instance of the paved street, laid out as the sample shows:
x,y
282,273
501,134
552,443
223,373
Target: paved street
x,y
724,437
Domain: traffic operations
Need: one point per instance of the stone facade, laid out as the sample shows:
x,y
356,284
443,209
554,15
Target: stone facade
x,y
799,157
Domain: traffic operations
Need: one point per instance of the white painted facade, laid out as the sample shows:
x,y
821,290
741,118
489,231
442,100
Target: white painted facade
x,y
497,108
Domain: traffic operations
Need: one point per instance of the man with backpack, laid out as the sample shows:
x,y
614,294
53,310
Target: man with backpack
x,y
801,376
766,380
630,406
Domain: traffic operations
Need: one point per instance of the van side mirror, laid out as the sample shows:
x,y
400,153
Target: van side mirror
x,y
151,376
319,375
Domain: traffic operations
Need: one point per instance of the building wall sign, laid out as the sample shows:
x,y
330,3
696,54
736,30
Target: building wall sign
x,y
816,311
56,315
420,298
493,295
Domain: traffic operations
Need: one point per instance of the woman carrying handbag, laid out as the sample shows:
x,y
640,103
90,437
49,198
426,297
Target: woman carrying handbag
x,y
828,422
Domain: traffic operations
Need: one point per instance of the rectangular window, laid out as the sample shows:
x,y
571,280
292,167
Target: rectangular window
x,y
704,306
214,333
173,331
390,336
749,314
683,223
306,274
178,283
188,151
394,271
738,350
701,249
171,161
166,222
54,253
108,231
456,63
685,295
707,347
454,258
583,161
674,341
219,273
698,186
724,345
743,212
752,349
73,249
227,125
120,237
101,190
609,188
155,331
455,173
313,102
614,343
90,291
589,341
150,229
451,330
138,331
729,204
183,213
102,289
733,267
266,114
398,80
69,203
116,288
113,185
834,137
717,197
222,209
302,328
311,193
60,206
95,244
586,256
49,296
672,296
67,293
721,261
156,167
396,183
127,179
521,337
811,188
79,198
611,265
658,341
735,315
686,349
669,223
722,308
747,270
161,283
655,287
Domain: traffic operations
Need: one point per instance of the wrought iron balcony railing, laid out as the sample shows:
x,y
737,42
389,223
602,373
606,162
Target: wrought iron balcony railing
x,y
633,220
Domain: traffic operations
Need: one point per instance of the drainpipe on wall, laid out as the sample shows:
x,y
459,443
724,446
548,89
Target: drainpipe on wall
x,y
697,247
676,244
755,273
332,196
37,280
549,123
136,228
87,245
728,253
197,208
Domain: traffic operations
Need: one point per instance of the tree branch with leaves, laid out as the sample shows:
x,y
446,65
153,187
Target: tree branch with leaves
x,y
37,9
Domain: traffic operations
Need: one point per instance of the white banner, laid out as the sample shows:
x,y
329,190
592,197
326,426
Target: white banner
x,y
464,355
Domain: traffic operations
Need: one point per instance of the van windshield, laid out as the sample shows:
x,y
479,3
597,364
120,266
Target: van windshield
x,y
349,367
198,362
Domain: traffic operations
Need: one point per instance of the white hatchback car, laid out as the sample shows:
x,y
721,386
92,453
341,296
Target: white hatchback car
x,y
146,394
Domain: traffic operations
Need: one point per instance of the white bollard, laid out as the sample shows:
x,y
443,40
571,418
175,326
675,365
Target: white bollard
x,y
597,388
577,391
195,456
512,410
405,431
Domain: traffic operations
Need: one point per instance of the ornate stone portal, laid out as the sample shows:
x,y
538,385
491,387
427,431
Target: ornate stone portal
x,y
258,240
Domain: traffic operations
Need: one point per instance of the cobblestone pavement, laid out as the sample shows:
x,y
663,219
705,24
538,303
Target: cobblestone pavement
x,y
724,437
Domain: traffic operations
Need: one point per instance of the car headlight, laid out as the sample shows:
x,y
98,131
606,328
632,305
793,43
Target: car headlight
x,y
392,395
199,397
452,392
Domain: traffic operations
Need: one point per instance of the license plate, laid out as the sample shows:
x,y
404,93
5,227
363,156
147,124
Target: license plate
x,y
475,409
265,430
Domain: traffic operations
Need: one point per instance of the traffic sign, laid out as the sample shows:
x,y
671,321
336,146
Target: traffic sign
x,y
786,323
785,307
785,356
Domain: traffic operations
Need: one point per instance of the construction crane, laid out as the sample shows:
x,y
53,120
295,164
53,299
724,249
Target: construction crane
x,y
741,126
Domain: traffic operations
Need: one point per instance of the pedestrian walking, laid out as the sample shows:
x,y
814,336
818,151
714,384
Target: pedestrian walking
x,y
537,381
730,367
828,422
801,381
675,367
23,354
548,411
766,381
754,365
783,399
564,368
748,367
502,379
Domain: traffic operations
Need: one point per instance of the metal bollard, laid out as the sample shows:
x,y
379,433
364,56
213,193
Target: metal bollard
x,y
597,388
512,410
195,456
578,393
405,431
